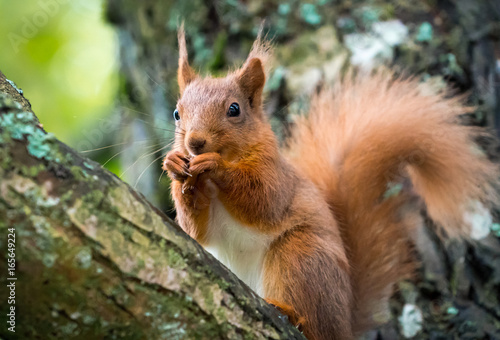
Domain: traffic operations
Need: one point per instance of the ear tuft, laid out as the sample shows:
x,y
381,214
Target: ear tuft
x,y
262,49
185,74
251,79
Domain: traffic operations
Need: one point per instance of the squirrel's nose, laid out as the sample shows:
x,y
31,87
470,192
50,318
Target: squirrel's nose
x,y
196,144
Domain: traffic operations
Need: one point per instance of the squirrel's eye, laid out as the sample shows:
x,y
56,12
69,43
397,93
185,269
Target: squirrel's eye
x,y
234,110
176,115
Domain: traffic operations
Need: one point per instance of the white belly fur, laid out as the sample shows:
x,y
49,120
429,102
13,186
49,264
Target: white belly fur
x,y
240,248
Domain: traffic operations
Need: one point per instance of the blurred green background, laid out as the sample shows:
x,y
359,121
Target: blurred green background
x,y
64,56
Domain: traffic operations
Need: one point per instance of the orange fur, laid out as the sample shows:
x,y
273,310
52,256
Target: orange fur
x,y
333,245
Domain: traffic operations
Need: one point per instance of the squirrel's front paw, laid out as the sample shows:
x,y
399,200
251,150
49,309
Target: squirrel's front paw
x,y
177,165
205,162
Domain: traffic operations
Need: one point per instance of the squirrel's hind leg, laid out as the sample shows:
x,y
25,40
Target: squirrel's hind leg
x,y
306,276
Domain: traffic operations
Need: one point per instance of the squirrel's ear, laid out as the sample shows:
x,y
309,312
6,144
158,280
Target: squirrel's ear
x,y
185,74
251,79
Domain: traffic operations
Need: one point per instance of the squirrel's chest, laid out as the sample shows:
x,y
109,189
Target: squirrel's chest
x,y
240,248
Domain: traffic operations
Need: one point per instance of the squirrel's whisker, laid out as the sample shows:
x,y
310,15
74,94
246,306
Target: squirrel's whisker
x,y
125,149
143,156
142,173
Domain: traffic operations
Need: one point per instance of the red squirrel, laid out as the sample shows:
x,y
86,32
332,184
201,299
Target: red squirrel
x,y
311,227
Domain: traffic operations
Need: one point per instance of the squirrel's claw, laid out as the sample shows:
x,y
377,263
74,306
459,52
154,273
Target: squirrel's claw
x,y
176,165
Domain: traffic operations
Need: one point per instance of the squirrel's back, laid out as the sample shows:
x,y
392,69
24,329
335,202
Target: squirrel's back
x,y
373,145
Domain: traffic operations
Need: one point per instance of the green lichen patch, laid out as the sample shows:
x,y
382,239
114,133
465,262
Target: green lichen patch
x,y
425,32
48,259
14,86
93,197
175,259
495,229
88,165
79,173
23,125
38,146
83,259
452,310
310,14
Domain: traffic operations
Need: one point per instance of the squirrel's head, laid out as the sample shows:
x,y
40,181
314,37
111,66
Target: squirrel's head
x,y
222,115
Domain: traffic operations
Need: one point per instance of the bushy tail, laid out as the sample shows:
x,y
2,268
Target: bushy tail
x,y
372,145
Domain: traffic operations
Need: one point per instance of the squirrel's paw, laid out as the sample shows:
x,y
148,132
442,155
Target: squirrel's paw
x,y
177,165
204,192
289,312
205,162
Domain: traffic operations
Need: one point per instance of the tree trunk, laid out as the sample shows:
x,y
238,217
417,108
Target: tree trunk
x,y
95,260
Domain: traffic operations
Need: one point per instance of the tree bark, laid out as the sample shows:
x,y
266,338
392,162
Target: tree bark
x,y
95,260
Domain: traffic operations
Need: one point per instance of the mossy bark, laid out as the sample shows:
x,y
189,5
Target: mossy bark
x,y
95,260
